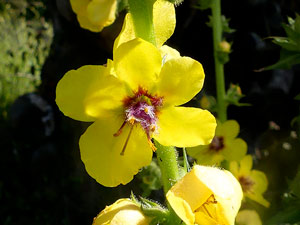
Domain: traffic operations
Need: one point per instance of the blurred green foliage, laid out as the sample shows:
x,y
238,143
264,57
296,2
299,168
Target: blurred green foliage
x,y
290,45
25,37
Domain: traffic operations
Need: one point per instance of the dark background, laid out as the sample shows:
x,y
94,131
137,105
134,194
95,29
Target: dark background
x,y
42,178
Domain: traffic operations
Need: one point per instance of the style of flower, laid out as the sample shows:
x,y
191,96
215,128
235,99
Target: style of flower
x,y
94,15
224,146
206,195
248,217
136,97
254,183
124,212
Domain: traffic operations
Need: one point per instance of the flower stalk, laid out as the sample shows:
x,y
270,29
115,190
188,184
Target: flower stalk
x,y
219,67
142,16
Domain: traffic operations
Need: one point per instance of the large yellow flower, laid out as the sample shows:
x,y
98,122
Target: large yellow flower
x,y
206,195
94,15
124,212
139,98
224,146
254,183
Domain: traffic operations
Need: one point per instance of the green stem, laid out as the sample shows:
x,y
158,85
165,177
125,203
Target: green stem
x,y
142,16
219,67
167,161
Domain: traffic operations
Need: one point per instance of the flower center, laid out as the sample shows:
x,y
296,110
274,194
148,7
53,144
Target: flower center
x,y
141,108
246,183
217,144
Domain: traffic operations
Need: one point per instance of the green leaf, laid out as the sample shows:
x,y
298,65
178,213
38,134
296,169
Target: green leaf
x,y
287,60
289,215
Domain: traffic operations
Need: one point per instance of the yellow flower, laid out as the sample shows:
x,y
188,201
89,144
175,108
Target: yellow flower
x,y
124,212
94,15
224,146
254,183
139,98
206,195
248,217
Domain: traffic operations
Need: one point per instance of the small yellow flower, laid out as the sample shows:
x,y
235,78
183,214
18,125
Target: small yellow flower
x,y
94,15
248,217
224,146
124,212
254,183
136,100
206,195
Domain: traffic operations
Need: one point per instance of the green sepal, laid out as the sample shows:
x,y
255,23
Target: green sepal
x,y
234,95
225,24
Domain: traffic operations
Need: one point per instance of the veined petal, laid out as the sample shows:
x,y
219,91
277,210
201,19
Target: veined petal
x,y
101,151
229,129
164,24
79,5
180,80
185,127
137,63
88,92
164,21
234,149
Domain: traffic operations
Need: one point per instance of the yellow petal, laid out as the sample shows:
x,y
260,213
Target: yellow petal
x,y
229,129
248,217
185,127
187,195
123,211
102,13
234,168
202,218
180,80
204,156
258,198
137,63
85,23
235,149
164,24
260,186
164,21
168,53
79,6
101,151
181,207
89,92
246,165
